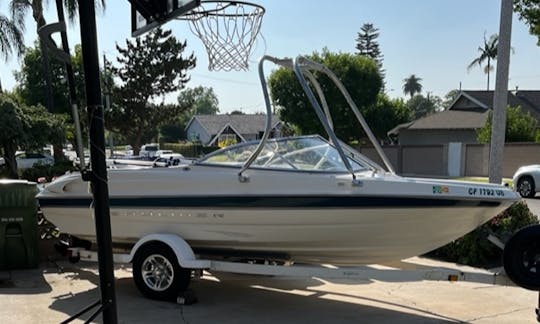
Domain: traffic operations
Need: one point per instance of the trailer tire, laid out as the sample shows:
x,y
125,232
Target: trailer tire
x,y
520,258
157,274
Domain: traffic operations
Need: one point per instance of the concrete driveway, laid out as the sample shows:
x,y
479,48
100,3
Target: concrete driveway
x,y
534,205
48,296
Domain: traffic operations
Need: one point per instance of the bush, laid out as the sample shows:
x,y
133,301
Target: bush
x,y
47,171
474,249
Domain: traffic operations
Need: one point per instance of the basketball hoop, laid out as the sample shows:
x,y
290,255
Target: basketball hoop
x,y
228,30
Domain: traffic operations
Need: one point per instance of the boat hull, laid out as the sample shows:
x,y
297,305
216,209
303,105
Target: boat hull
x,y
309,217
363,233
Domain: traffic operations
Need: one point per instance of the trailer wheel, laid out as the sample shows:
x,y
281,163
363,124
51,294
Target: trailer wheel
x,y
157,274
521,258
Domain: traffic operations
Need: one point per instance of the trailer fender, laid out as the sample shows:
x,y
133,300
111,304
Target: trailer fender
x,y
182,250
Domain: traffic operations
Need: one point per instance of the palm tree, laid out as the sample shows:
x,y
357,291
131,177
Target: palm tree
x,y
11,39
19,9
412,85
488,52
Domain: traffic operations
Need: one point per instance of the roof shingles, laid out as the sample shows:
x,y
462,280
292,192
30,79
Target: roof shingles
x,y
451,119
472,116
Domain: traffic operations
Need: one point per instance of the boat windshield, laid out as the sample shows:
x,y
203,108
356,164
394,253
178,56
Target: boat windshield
x,y
307,153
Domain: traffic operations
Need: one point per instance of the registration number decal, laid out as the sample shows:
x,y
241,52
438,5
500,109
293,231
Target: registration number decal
x,y
486,192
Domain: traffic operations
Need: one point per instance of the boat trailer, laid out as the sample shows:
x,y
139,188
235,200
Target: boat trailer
x,y
402,271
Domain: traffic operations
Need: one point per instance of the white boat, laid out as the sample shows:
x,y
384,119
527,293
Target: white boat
x,y
305,199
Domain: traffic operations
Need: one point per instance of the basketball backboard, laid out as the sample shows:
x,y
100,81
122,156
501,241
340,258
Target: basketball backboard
x,y
148,14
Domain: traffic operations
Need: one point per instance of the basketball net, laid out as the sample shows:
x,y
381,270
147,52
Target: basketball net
x,y
228,30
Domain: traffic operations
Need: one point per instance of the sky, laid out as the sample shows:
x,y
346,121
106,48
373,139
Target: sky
x,y
435,40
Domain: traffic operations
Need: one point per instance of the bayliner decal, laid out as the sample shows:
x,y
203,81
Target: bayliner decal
x,y
440,190
479,191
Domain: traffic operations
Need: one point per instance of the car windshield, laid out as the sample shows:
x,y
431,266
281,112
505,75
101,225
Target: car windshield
x,y
307,153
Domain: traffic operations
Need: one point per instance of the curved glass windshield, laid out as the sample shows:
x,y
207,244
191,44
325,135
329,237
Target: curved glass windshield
x,y
309,153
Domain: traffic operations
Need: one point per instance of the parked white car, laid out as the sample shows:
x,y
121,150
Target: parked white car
x,y
26,160
526,180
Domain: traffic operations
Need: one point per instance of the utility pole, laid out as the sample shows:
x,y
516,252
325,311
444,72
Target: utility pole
x,y
500,96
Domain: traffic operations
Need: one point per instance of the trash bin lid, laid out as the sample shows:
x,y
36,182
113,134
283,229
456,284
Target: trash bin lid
x,y
17,193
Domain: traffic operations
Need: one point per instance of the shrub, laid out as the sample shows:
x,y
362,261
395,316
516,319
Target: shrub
x,y
474,249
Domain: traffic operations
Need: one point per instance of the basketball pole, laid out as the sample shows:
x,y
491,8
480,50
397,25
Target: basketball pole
x,y
98,174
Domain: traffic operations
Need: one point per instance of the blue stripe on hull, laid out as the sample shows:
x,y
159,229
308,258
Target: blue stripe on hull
x,y
269,202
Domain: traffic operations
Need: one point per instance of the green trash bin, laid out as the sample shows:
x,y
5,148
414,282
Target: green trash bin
x,y
18,225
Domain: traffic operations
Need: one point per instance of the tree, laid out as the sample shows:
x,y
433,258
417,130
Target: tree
x,y
412,86
30,88
487,52
520,127
11,124
367,45
11,39
149,67
204,100
358,74
386,114
20,9
28,127
529,11
449,98
31,81
421,106
200,100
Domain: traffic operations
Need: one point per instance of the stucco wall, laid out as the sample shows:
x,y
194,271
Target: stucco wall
x,y
196,131
432,160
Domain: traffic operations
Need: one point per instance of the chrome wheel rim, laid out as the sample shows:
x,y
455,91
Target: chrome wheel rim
x,y
157,272
525,187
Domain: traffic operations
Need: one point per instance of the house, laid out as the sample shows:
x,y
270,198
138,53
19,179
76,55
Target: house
x,y
460,122
212,129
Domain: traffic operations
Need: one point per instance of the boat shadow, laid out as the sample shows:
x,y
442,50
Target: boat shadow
x,y
231,298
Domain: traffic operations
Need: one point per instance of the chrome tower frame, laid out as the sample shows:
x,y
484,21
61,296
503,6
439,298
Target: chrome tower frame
x,y
302,68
